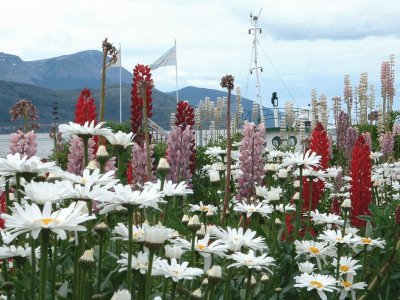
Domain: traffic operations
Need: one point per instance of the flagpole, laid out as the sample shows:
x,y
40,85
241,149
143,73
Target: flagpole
x,y
176,74
120,88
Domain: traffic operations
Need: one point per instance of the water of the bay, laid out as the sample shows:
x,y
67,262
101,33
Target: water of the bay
x,y
44,144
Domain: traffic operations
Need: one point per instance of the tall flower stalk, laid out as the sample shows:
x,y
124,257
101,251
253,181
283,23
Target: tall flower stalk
x,y
251,161
227,82
360,190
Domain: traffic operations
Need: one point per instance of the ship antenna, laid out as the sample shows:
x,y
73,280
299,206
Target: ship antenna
x,y
254,30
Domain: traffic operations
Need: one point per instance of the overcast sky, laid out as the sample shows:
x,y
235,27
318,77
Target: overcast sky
x,y
304,44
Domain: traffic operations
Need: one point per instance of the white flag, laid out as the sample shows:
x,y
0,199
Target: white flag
x,y
168,59
117,63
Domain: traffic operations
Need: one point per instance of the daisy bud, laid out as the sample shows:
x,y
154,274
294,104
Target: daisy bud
x,y
101,228
194,223
214,274
98,297
278,222
53,177
278,290
346,203
296,196
40,177
201,232
264,278
87,259
163,167
252,280
102,152
185,219
204,282
214,176
91,166
296,184
196,294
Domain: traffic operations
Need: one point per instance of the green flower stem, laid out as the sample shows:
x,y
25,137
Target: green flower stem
x,y
18,186
192,249
146,137
173,290
248,285
6,190
166,281
85,139
33,267
130,243
44,247
299,205
365,263
120,150
19,290
309,205
89,224
53,273
148,279
99,269
228,283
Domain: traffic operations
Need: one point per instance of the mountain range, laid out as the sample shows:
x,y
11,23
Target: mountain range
x,y
62,78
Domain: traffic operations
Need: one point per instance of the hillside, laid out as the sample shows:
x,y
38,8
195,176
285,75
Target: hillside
x,y
42,98
74,71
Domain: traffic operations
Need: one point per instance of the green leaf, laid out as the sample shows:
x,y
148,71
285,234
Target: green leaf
x,y
368,229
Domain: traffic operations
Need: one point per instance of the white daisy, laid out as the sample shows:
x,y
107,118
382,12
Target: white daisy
x,y
87,129
122,232
306,267
321,283
175,271
171,189
314,249
156,234
122,295
120,139
125,196
306,160
203,246
260,208
139,262
215,151
203,208
249,260
326,219
31,219
347,265
336,236
235,239
19,251
41,192
92,178
370,243
14,164
347,286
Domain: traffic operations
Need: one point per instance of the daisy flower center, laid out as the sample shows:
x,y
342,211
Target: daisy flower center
x,y
346,284
344,268
366,241
46,221
248,261
316,284
339,239
314,250
201,247
204,209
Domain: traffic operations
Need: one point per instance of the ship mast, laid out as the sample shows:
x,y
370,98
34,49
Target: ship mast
x,y
254,30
